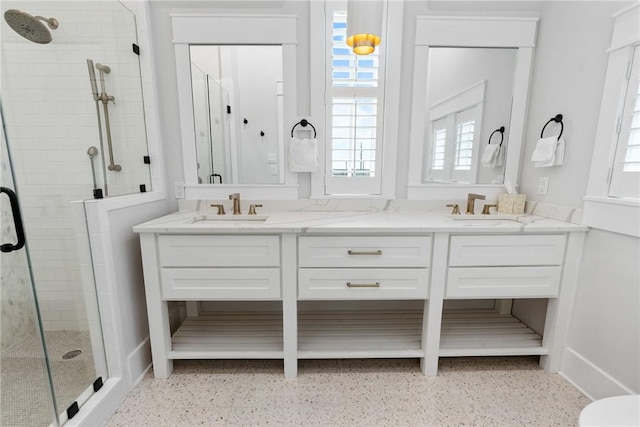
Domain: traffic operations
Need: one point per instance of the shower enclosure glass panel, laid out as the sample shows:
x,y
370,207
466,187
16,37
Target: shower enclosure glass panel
x,y
51,126
26,396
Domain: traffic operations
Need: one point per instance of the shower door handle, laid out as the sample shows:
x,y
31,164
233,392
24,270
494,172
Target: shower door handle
x,y
17,221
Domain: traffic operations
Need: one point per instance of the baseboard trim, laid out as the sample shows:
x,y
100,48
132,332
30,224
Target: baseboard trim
x,y
139,361
592,381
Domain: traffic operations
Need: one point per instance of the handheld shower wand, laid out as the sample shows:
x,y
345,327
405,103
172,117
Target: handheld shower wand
x,y
92,152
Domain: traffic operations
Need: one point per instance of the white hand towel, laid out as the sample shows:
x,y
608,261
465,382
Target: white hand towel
x,y
545,152
489,155
303,155
498,159
559,159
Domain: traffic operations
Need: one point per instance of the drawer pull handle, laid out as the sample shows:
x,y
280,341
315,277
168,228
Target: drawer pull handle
x,y
378,252
363,285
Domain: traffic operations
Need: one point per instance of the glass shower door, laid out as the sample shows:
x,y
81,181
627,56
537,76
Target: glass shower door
x,y
26,394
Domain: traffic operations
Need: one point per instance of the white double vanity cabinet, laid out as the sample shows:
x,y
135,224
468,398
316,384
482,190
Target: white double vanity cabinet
x,y
309,285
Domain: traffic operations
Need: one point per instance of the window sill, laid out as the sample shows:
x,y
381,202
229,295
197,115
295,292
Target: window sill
x,y
612,214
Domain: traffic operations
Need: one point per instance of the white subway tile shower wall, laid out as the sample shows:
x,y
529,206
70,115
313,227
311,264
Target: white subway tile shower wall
x,y
51,122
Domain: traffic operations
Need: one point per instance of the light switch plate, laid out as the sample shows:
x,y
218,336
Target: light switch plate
x,y
178,188
543,185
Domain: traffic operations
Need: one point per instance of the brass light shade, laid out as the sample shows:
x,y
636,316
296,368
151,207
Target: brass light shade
x,y
364,25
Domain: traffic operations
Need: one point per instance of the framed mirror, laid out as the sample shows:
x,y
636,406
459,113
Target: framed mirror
x,y
237,96
471,79
237,109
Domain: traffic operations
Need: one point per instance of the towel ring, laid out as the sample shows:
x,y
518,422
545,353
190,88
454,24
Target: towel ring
x,y
304,124
501,130
557,119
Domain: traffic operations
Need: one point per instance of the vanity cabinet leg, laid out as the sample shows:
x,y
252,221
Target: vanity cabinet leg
x,y
157,310
290,304
556,324
432,319
160,337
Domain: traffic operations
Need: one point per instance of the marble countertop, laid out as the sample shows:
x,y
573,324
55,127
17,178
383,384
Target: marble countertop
x,y
325,222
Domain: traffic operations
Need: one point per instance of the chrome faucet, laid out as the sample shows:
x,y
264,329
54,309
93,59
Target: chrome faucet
x,y
236,203
471,198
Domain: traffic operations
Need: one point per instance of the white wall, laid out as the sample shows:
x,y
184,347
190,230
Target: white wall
x,y
603,345
568,77
118,274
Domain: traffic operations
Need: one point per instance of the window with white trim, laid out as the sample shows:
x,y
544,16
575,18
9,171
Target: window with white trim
x,y
354,112
625,173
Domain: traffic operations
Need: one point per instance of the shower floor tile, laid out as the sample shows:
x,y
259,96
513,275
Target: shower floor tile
x,y
509,391
24,398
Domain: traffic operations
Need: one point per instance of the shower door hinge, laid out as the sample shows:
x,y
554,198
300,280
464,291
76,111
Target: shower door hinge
x,y
143,188
97,384
136,49
146,160
97,193
228,109
72,410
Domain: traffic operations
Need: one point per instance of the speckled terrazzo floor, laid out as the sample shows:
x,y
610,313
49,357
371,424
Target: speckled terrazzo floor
x,y
467,391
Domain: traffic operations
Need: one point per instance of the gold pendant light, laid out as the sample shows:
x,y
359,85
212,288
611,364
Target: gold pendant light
x,y
364,25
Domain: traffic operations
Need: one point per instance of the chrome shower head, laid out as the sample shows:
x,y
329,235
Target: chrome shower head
x,y
29,26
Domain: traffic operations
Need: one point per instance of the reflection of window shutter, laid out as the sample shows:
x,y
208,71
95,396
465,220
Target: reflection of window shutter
x,y
439,147
464,145
454,142
632,156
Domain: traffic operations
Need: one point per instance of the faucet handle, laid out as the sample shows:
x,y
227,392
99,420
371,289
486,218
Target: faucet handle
x,y
220,209
455,210
252,209
485,209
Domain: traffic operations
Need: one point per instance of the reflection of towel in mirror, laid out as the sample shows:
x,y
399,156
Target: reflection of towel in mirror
x,y
548,152
492,156
303,155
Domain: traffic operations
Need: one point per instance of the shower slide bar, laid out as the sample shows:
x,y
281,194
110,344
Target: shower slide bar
x,y
104,98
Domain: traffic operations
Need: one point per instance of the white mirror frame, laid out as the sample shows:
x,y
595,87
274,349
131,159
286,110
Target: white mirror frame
x,y
216,29
464,31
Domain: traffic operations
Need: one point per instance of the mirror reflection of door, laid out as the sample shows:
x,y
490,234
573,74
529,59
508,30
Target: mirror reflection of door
x,y
238,112
469,95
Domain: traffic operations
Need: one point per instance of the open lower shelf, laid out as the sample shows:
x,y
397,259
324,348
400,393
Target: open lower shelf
x,y
487,333
360,334
235,335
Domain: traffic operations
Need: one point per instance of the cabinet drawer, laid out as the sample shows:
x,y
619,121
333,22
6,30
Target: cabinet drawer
x,y
506,250
364,251
219,251
503,282
220,283
353,283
